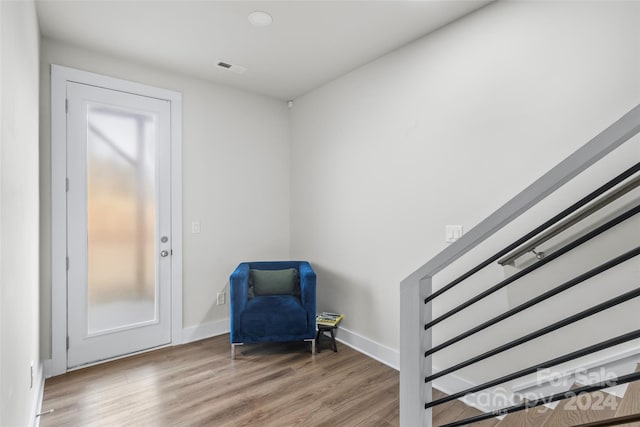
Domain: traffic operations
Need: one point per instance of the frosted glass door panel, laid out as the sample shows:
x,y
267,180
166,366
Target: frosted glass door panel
x,y
121,223
118,223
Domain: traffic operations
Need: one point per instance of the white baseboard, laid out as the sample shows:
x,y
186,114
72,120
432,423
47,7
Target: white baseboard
x,y
493,399
498,397
205,330
36,406
613,364
373,349
390,357
489,401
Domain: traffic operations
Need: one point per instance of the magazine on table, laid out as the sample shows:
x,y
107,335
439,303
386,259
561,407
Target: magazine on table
x,y
328,319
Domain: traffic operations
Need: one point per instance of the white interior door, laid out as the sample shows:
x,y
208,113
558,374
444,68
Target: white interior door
x,y
118,223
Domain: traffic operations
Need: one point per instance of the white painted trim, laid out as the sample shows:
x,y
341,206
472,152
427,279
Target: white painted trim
x,y
205,330
59,76
36,407
176,218
620,363
607,361
448,384
373,349
58,363
124,356
414,340
453,383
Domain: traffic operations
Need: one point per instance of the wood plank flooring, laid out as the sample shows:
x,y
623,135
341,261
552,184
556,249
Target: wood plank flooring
x,y
631,403
456,410
584,408
529,418
199,385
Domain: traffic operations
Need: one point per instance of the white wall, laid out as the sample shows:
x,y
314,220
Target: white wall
x,y
445,131
235,178
19,266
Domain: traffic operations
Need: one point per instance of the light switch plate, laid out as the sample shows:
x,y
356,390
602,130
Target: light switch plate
x,y
452,233
195,227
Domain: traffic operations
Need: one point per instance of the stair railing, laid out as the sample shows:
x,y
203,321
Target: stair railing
x,y
571,221
417,295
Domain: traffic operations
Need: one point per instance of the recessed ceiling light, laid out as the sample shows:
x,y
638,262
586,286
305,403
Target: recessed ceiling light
x,y
260,19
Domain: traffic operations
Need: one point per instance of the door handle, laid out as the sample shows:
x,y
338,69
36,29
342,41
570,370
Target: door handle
x,y
164,254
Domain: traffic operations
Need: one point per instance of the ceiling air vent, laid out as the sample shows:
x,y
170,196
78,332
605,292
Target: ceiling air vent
x,y
238,69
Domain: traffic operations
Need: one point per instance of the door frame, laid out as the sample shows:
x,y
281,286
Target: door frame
x,y
60,75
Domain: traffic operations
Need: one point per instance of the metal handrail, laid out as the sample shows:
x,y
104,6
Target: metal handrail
x,y
572,220
550,222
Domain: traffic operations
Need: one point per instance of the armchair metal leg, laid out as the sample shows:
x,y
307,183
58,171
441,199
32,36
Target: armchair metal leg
x,y
313,346
233,350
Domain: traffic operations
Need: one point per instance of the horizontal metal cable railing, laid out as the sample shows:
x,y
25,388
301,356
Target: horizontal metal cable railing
x,y
535,368
572,220
613,190
540,332
542,297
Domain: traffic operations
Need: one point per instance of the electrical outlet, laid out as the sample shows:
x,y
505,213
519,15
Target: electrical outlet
x,y
220,298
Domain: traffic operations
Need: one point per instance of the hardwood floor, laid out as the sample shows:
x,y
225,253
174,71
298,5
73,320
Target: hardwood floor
x,y
530,418
581,410
631,403
199,385
569,412
280,385
456,410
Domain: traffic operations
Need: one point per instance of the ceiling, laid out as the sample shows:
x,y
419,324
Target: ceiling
x,y
308,44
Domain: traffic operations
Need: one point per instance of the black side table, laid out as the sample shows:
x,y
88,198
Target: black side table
x,y
322,329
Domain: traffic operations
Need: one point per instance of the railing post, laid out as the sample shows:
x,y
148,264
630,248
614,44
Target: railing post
x,y
413,342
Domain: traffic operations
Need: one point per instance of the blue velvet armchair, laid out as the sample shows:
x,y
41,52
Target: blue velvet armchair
x,y
276,314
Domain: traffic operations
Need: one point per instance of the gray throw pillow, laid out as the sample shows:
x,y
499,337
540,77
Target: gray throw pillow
x,y
274,282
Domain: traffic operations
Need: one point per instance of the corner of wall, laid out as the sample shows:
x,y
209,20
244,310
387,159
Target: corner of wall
x,y
38,385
